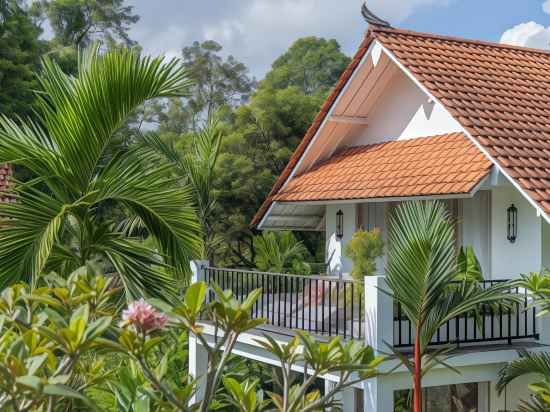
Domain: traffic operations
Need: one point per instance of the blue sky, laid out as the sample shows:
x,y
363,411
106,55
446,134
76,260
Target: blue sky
x,y
257,31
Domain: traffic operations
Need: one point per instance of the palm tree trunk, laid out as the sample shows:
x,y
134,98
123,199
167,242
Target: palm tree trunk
x,y
417,392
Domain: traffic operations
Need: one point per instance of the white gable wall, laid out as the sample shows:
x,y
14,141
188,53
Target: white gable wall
x,y
509,260
403,111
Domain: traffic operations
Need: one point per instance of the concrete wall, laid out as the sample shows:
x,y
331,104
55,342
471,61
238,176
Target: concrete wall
x,y
525,254
335,247
404,112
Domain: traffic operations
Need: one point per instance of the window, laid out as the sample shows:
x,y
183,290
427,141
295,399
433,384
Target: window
x,y
465,397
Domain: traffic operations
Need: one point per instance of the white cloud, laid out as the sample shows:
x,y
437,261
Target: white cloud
x,y
529,34
257,31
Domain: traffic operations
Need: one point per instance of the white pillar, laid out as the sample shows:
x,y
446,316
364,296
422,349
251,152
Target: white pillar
x,y
198,367
198,270
198,356
378,396
346,397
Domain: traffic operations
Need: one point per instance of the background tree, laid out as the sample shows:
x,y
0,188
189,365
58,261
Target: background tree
x,y
69,213
280,252
20,51
80,22
312,64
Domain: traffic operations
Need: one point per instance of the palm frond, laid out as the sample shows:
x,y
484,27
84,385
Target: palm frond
x,y
81,114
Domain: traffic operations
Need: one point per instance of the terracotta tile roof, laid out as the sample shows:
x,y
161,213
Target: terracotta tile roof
x,y
500,94
444,164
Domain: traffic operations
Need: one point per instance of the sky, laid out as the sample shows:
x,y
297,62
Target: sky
x,y
257,31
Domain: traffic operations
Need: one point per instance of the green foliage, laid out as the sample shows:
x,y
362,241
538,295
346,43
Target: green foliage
x,y
83,185
255,150
80,22
363,249
196,168
48,336
280,252
352,361
20,50
529,363
311,64
467,266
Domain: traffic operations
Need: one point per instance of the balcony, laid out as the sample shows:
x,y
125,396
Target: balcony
x,y
330,306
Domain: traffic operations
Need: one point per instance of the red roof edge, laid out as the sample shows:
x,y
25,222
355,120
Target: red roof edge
x,y
312,131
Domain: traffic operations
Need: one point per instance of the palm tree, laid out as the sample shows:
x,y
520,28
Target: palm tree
x,y
530,363
196,168
280,252
84,185
421,271
538,284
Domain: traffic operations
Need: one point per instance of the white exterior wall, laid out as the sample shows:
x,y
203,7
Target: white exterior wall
x,y
339,263
545,244
525,255
474,227
404,112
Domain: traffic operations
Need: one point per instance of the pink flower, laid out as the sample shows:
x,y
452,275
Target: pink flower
x,y
143,316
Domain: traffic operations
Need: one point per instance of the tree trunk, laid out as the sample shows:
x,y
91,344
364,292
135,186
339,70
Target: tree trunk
x,y
417,391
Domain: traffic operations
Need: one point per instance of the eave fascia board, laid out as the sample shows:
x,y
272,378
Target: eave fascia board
x,y
474,141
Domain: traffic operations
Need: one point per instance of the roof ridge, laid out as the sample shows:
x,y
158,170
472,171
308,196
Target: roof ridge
x,y
434,36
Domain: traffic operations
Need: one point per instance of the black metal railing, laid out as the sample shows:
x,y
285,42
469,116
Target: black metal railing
x,y
318,304
490,323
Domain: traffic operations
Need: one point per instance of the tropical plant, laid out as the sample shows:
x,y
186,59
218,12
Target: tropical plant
x,y
48,338
351,361
538,284
280,252
83,185
422,266
196,168
529,363
363,249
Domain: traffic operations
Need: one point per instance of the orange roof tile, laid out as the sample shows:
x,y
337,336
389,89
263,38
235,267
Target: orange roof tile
x,y
498,93
444,164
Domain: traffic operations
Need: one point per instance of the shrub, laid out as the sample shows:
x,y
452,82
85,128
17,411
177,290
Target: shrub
x,y
363,249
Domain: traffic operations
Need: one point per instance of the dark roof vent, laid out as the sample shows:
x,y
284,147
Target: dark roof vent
x,y
371,18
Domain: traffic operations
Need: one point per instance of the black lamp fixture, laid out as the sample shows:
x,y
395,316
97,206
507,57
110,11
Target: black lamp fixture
x,y
339,225
512,213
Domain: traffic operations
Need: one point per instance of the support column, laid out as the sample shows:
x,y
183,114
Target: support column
x,y
198,270
378,396
346,397
198,367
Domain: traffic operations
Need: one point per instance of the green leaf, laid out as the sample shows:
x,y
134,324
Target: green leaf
x,y
30,381
194,298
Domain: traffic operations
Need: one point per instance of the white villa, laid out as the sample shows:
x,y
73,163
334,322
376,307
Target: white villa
x,y
416,116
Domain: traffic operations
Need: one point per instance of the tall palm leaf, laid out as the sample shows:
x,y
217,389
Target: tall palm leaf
x,y
197,169
421,270
68,213
529,363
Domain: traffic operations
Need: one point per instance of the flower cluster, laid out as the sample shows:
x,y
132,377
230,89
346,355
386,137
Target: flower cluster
x,y
143,317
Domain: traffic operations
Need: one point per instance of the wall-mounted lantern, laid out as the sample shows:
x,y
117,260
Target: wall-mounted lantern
x,y
339,225
512,213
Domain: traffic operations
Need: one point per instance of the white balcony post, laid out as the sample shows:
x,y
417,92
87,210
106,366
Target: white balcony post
x,y
198,367
198,269
198,356
378,334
